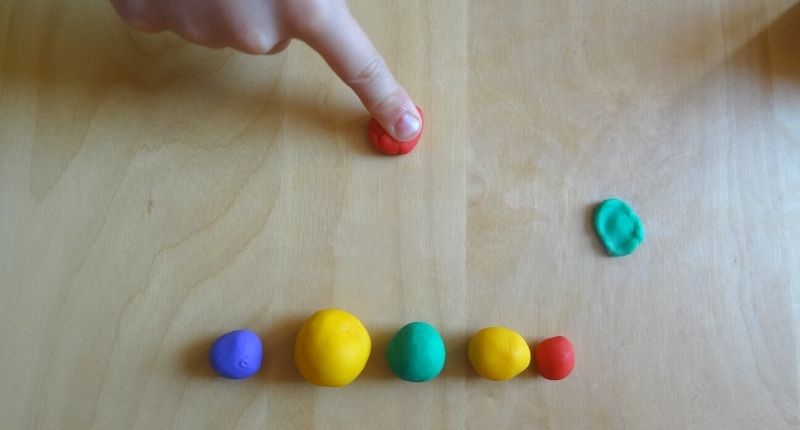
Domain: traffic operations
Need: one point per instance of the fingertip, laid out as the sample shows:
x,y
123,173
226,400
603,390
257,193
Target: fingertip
x,y
402,123
381,139
407,126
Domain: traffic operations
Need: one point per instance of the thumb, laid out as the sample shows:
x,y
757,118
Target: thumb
x,y
349,52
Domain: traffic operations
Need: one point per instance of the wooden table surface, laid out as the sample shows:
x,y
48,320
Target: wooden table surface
x,y
154,195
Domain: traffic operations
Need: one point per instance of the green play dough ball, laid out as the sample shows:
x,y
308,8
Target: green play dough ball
x,y
618,227
416,353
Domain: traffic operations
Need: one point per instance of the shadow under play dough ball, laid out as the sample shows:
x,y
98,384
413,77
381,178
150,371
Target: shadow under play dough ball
x,y
236,355
384,143
498,353
555,358
618,227
331,348
416,353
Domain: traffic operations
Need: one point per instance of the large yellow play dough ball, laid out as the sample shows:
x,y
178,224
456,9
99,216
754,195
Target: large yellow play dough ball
x,y
331,348
499,353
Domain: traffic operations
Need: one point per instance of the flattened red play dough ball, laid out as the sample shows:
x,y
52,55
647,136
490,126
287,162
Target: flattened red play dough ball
x,y
381,140
555,358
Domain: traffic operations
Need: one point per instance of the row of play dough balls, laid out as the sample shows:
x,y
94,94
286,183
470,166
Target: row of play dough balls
x,y
499,354
333,347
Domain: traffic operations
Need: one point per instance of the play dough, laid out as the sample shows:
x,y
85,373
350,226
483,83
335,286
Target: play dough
x,y
331,348
381,141
236,355
618,227
498,353
554,357
416,353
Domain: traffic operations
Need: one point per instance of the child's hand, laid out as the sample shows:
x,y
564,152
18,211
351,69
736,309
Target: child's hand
x,y
267,26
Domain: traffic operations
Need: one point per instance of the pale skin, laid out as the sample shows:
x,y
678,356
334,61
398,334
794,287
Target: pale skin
x,y
267,26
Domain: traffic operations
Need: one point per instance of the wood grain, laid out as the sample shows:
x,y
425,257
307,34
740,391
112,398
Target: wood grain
x,y
154,195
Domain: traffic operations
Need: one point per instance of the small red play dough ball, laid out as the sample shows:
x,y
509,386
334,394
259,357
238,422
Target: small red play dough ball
x,y
381,140
554,357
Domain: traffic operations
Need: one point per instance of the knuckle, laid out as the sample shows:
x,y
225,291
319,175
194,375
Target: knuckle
x,y
280,46
246,30
375,83
253,42
368,75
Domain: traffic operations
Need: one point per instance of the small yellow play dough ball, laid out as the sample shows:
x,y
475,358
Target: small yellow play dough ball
x,y
331,348
499,353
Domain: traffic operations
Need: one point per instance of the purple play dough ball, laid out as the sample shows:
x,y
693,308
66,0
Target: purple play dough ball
x,y
236,355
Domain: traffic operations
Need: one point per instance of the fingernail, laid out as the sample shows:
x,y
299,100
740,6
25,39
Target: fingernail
x,y
407,127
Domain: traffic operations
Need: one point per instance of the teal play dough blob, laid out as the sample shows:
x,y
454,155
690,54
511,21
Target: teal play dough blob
x,y
618,227
416,353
